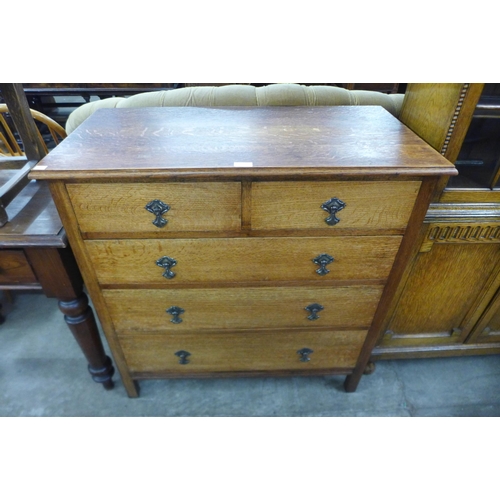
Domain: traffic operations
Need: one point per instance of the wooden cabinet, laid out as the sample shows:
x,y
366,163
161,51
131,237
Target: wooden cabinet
x,y
449,301
249,241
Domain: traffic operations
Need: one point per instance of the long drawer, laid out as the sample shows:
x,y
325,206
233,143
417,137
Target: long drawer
x,y
227,352
121,207
355,205
242,308
184,261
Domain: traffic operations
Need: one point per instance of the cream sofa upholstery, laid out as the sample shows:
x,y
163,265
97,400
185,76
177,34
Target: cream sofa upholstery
x,y
279,94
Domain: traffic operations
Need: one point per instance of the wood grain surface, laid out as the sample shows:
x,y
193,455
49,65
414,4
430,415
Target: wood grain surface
x,y
358,140
431,307
220,352
240,260
242,308
203,206
15,268
297,205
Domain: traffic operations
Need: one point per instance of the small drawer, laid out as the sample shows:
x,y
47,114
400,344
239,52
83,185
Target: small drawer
x,y
179,354
242,308
15,268
121,207
242,260
312,205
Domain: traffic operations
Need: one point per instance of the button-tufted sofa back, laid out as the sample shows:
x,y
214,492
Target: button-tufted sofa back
x,y
279,94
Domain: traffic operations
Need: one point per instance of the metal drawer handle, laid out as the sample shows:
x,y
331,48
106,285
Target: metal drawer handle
x,y
175,311
304,354
314,309
167,263
158,208
332,206
182,355
322,261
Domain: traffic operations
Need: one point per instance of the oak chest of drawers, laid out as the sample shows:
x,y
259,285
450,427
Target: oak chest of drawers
x,y
241,241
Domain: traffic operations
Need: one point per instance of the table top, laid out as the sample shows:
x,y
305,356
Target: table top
x,y
33,220
263,141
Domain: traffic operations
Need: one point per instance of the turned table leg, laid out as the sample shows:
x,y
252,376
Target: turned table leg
x,y
60,278
81,321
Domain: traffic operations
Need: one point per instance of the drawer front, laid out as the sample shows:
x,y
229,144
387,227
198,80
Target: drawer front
x,y
15,268
226,352
120,208
245,308
207,260
362,205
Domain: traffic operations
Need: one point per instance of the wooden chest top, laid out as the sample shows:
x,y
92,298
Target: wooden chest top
x,y
245,141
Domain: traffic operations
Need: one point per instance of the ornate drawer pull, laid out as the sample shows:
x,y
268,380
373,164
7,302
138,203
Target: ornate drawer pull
x,y
167,263
182,355
332,206
158,208
323,260
304,354
314,309
175,311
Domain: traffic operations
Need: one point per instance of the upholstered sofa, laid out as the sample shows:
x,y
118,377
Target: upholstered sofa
x,y
279,94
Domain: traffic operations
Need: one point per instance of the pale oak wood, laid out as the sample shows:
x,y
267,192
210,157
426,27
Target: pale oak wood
x,y
293,205
434,312
222,352
203,206
440,113
300,145
409,248
212,309
239,260
487,329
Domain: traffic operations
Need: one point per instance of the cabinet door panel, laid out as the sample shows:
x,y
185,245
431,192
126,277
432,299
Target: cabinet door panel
x,y
487,329
444,295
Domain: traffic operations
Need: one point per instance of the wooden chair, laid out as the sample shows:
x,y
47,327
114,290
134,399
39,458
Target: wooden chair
x,y
17,162
9,146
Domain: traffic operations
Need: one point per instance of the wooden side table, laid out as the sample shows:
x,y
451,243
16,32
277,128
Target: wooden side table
x,y
34,255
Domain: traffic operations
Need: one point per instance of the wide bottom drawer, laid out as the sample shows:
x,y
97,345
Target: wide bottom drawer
x,y
228,352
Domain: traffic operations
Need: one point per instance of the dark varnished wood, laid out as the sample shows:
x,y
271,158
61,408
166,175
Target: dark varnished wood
x,y
61,198
17,103
34,231
34,148
33,220
204,141
34,254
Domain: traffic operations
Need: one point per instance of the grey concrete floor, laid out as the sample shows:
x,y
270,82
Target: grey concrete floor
x,y
43,373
